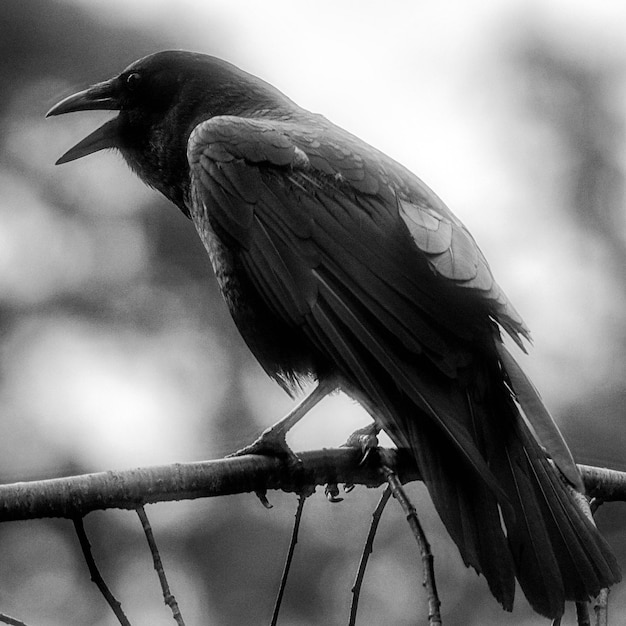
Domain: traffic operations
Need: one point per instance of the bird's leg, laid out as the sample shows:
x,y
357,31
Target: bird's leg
x,y
272,441
366,438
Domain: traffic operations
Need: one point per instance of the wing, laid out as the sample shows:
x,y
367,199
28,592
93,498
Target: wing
x,y
315,219
373,180
347,246
452,252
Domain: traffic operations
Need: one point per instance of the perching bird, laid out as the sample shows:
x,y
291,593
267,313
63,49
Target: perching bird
x,y
338,263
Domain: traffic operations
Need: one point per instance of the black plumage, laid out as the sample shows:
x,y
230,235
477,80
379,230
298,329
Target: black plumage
x,y
337,262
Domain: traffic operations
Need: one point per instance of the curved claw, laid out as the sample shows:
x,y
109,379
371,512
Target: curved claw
x,y
367,453
364,439
262,496
332,492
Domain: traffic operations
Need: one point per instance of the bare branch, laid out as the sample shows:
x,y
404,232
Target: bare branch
x,y
292,546
75,496
606,484
6,619
367,550
96,577
168,596
434,614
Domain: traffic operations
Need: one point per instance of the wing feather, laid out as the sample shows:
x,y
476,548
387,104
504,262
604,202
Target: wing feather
x,y
388,285
540,419
297,283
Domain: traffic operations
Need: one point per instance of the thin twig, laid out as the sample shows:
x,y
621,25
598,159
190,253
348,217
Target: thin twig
x,y
367,550
582,614
168,596
6,619
292,547
96,577
434,614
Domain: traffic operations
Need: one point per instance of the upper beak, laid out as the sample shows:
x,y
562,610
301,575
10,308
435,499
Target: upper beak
x,y
101,97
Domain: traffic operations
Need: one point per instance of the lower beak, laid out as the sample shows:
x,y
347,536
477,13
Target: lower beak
x,y
100,97
104,137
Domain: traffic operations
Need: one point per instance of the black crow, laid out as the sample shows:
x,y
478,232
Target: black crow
x,y
338,263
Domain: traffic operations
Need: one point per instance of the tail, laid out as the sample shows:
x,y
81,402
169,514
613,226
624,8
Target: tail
x,y
557,551
504,503
547,542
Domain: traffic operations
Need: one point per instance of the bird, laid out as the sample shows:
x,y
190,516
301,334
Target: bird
x,y
340,265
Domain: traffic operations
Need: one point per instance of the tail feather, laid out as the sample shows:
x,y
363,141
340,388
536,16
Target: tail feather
x,y
536,564
547,542
539,417
585,560
559,555
467,507
502,500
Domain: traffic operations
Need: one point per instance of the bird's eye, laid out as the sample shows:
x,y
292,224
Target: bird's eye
x,y
133,80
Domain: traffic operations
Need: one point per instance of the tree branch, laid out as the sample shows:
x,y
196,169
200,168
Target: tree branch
x,y
428,562
367,551
168,596
606,484
75,496
292,547
6,619
96,577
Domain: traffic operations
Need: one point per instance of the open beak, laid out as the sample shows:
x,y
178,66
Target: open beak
x,y
100,97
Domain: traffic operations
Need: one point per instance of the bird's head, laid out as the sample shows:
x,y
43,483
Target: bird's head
x,y
160,99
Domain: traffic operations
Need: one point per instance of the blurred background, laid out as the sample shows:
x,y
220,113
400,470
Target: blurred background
x,y
116,349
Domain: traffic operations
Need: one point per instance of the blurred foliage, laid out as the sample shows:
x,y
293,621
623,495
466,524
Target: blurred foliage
x,y
117,351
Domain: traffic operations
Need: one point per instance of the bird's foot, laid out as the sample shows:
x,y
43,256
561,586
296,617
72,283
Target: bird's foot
x,y
271,442
364,439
